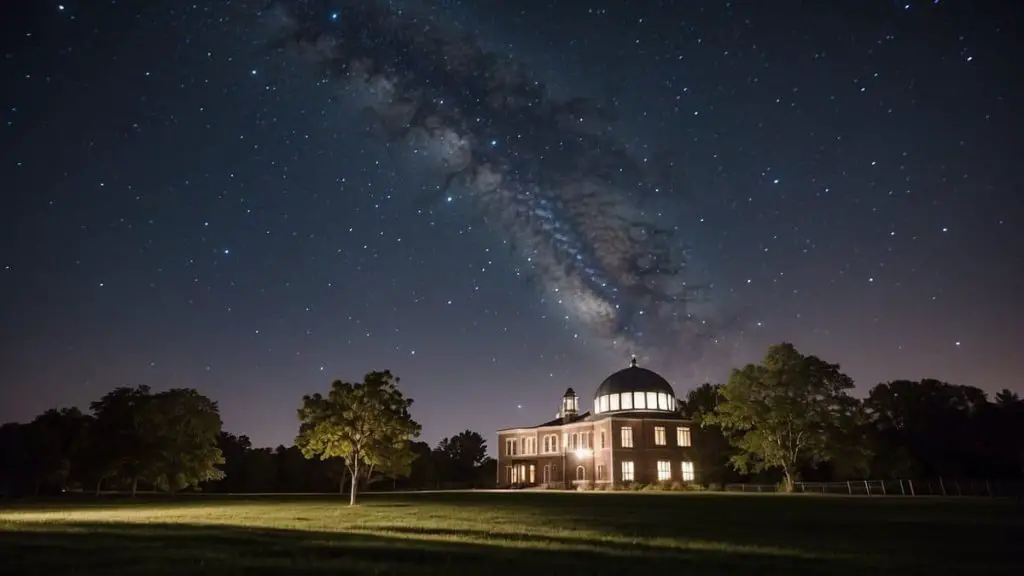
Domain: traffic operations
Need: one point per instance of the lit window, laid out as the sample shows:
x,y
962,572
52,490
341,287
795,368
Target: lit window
x,y
510,447
600,472
687,469
604,403
627,400
575,441
627,471
597,406
602,439
659,436
664,470
581,473
613,402
627,437
652,400
639,401
662,401
682,436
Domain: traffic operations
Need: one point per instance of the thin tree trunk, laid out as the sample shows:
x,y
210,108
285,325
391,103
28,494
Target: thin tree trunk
x,y
135,486
355,479
99,487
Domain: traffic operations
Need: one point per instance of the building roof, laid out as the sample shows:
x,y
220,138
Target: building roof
x,y
634,379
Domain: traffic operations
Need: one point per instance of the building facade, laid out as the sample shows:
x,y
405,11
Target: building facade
x,y
635,433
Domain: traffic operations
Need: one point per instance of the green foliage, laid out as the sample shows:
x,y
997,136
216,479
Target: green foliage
x,y
368,424
168,439
186,426
784,412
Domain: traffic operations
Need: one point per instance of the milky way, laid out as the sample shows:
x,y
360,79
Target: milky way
x,y
547,174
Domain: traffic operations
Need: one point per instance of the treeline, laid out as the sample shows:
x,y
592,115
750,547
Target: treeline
x,y
460,461
791,418
134,439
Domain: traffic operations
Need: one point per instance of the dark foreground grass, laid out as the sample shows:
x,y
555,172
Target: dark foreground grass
x,y
520,533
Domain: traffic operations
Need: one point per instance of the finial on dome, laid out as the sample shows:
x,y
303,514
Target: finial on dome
x,y
632,361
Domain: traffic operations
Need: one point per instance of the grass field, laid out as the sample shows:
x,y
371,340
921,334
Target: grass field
x,y
526,533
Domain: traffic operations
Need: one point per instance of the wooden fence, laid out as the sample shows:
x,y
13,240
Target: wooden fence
x,y
942,487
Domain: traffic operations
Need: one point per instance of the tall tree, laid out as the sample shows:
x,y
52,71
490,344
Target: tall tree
x,y
783,413
125,436
187,426
368,424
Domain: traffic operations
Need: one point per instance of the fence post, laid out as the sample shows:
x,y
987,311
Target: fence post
x,y
903,490
849,487
942,486
911,482
884,491
867,487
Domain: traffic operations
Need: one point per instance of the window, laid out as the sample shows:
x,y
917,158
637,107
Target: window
x,y
662,401
627,437
604,403
613,402
510,446
638,401
659,436
600,472
585,440
687,469
581,473
547,474
652,400
664,470
627,400
627,471
682,436
602,439
575,441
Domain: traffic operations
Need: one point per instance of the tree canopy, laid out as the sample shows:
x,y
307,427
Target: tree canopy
x,y
366,423
784,412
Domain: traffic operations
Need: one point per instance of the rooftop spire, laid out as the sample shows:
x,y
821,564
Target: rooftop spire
x,y
632,361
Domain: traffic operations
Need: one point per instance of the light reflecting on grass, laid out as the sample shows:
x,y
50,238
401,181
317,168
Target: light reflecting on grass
x,y
511,532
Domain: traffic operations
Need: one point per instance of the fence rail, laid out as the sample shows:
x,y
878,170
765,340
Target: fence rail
x,y
898,487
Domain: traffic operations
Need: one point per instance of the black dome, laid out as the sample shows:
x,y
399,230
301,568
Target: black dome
x,y
634,379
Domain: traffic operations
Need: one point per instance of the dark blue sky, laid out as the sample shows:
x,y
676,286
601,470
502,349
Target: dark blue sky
x,y
185,207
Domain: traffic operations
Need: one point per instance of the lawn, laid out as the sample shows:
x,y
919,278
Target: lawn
x,y
524,533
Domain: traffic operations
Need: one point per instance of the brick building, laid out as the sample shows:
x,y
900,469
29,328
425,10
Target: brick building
x,y
635,433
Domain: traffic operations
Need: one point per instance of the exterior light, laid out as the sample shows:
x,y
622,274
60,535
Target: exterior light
x,y
582,453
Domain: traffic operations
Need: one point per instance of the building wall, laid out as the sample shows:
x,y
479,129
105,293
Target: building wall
x,y
644,454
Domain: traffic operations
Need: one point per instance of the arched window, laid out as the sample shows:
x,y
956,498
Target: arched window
x,y
575,441
581,473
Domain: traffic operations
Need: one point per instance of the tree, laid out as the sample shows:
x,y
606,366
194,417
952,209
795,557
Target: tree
x,y
463,453
125,436
186,428
783,412
368,424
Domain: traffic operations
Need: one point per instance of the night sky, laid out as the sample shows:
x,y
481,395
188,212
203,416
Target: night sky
x,y
185,205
